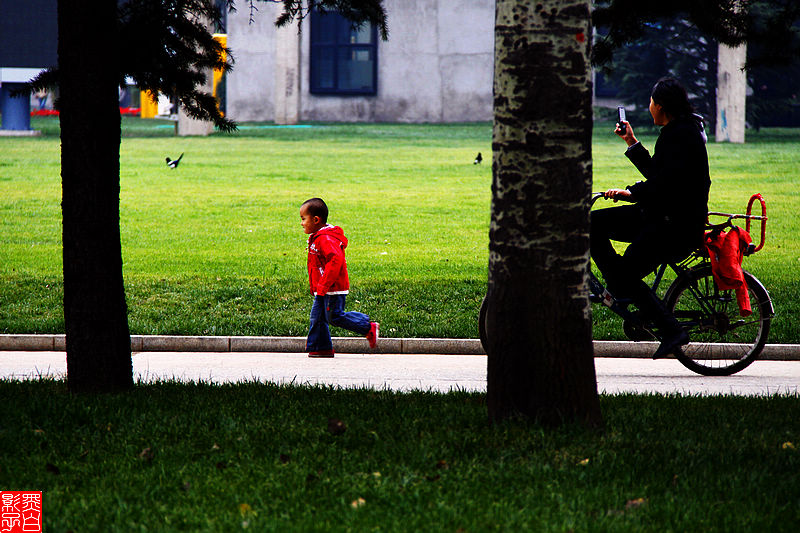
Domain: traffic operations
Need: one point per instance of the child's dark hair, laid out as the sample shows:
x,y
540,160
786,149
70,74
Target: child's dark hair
x,y
672,97
316,208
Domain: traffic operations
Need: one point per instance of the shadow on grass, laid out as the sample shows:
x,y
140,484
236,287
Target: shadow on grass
x,y
276,457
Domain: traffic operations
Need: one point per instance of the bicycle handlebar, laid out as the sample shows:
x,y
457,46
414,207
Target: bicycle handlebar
x,y
597,195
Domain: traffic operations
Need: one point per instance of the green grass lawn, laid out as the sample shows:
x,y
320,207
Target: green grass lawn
x,y
260,457
215,247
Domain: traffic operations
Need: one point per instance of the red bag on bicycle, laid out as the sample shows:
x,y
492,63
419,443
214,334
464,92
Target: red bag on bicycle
x,y
726,251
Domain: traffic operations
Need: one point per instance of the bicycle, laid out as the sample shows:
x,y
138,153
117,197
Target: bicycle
x,y
722,341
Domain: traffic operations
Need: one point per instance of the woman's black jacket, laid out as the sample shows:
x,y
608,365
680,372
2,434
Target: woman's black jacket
x,y
675,189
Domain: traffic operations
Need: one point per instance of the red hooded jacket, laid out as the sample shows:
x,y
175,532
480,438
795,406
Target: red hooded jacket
x,y
726,251
327,267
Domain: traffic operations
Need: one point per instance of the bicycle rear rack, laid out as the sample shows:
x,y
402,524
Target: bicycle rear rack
x,y
748,218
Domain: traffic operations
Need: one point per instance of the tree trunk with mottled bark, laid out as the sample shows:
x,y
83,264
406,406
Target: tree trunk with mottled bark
x,y
95,312
538,320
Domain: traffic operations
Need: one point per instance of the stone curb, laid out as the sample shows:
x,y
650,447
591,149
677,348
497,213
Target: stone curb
x,y
176,343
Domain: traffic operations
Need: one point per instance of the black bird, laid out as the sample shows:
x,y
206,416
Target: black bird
x,y
173,163
478,159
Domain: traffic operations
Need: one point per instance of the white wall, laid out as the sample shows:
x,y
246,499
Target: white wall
x,y
251,84
436,66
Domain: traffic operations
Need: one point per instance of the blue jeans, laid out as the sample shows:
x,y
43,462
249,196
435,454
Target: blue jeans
x,y
330,310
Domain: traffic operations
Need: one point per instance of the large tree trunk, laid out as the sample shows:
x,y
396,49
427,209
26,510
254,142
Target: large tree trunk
x,y
95,313
538,320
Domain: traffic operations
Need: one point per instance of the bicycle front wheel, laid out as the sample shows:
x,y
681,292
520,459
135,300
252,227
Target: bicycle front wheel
x,y
482,323
722,341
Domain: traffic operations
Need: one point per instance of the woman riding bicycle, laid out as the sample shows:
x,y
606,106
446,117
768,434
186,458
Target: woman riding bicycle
x,y
670,208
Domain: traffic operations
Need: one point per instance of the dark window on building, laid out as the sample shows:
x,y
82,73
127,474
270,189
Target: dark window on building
x,y
222,5
344,58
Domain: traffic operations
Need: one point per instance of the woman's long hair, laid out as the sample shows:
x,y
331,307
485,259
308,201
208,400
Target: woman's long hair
x,y
672,97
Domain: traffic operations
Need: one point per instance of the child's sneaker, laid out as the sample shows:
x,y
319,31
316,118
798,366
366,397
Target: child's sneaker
x,y
374,334
321,353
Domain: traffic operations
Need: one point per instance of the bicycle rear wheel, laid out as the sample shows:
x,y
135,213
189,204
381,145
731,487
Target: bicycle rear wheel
x,y
723,342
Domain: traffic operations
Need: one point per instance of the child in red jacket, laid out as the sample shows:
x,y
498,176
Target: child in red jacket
x,y
327,276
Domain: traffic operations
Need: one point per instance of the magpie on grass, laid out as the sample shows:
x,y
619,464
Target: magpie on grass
x,y
173,163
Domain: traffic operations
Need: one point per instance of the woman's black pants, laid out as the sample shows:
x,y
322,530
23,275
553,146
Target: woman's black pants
x,y
650,245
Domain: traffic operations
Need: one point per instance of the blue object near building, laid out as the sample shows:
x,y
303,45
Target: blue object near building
x,y
28,44
16,110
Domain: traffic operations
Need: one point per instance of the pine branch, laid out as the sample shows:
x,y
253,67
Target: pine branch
x,y
356,11
167,47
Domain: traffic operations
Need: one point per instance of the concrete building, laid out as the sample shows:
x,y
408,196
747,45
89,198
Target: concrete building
x,y
437,66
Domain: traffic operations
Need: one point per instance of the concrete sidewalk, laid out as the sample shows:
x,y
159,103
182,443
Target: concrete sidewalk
x,y
345,345
406,372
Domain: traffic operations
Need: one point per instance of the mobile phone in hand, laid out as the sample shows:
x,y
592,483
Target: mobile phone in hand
x,y
621,119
